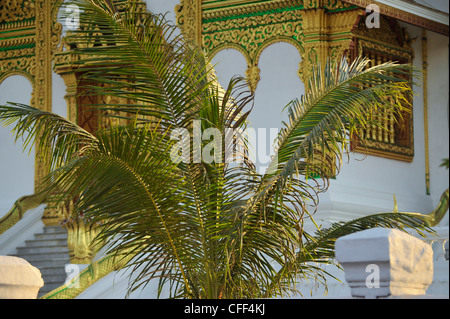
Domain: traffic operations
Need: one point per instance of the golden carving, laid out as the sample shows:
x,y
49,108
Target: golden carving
x,y
251,35
52,215
81,241
13,10
387,43
317,28
28,33
425,108
192,18
253,77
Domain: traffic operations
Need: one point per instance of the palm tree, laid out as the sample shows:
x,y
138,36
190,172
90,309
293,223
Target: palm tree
x,y
203,229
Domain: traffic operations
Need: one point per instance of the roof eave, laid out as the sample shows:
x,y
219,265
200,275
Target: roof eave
x,y
411,13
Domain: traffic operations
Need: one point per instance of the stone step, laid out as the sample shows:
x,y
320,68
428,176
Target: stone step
x,y
54,278
49,253
57,262
55,230
42,257
42,250
56,236
51,242
53,270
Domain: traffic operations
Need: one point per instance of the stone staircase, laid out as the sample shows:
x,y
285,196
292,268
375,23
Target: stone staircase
x,y
49,253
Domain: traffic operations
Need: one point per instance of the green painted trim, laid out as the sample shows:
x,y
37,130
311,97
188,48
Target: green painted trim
x,y
14,22
253,14
15,30
342,9
25,46
231,5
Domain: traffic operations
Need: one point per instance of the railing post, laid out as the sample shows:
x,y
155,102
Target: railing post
x,y
18,279
382,262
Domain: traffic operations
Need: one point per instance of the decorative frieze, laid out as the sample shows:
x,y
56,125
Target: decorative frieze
x,y
313,27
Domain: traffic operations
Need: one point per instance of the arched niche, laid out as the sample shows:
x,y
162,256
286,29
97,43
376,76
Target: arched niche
x,y
278,85
228,63
16,165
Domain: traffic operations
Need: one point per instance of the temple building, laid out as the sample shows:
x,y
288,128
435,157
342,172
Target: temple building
x,y
274,44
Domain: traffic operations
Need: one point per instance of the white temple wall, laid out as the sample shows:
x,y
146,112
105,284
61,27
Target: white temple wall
x,y
438,112
16,166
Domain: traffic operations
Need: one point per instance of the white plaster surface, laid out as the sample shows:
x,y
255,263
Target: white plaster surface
x,y
18,279
384,262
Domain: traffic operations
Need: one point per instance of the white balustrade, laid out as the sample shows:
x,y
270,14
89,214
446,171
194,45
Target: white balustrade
x,y
382,262
19,279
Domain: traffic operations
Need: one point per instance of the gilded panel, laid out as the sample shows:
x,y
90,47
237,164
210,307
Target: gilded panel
x,y
384,44
315,27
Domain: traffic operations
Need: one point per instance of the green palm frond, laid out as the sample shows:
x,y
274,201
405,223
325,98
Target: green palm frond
x,y
50,131
321,246
340,101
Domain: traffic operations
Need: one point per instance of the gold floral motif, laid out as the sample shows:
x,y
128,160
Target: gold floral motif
x,y
81,241
13,10
189,15
251,26
251,35
387,43
251,32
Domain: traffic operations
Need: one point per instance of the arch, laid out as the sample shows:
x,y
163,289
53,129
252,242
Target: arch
x,y
279,84
211,54
25,74
272,41
228,62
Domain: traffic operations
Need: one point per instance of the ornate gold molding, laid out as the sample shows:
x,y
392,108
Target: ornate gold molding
x,y
387,43
81,241
14,10
317,28
425,109
191,18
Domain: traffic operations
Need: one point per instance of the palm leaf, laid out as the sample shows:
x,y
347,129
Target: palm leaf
x,y
51,131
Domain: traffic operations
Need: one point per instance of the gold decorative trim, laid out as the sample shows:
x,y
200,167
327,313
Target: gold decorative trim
x,y
387,43
425,108
316,28
13,10
191,18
